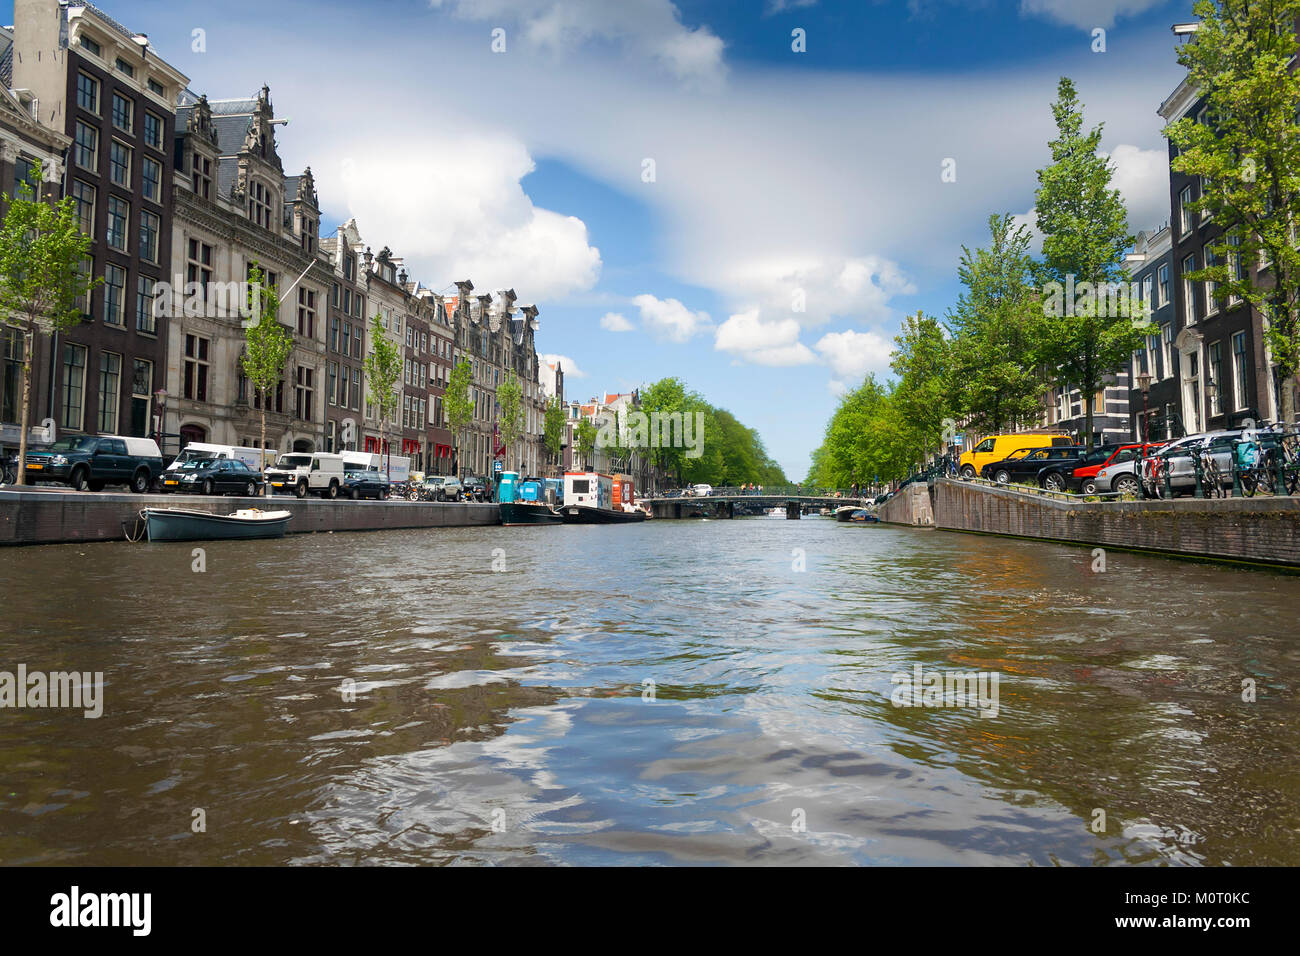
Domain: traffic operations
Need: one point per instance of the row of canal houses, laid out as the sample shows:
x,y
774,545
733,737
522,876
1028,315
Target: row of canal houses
x,y
176,188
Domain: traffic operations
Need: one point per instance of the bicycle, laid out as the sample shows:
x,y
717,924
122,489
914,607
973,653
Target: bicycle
x,y
1152,477
1211,477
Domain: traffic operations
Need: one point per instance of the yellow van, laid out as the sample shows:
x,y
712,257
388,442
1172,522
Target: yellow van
x,y
997,447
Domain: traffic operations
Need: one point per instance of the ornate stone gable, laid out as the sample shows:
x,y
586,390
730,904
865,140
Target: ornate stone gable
x,y
200,126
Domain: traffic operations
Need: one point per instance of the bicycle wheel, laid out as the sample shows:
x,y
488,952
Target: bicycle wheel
x,y
1249,482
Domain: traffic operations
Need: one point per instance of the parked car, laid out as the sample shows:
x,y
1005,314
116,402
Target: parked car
x,y
699,491
1058,474
195,451
1178,456
301,472
361,482
1025,463
996,448
88,462
441,488
214,476
1086,478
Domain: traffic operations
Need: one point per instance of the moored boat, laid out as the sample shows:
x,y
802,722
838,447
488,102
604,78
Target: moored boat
x,y
523,502
182,524
593,498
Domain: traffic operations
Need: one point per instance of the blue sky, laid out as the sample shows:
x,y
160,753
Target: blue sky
x,y
781,179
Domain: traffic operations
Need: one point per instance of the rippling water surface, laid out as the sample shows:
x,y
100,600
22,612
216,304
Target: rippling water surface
x,y
499,717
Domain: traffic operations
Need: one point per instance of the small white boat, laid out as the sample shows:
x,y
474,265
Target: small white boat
x,y
183,524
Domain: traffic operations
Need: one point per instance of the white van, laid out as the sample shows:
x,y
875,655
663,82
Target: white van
x,y
251,457
302,471
396,467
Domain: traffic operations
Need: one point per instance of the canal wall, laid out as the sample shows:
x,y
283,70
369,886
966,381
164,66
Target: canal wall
x,y
1263,530
53,517
913,505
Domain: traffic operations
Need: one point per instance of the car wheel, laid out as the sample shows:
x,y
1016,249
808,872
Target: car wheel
x,y
332,491
81,479
250,490
140,481
354,493
1054,482
1127,486
207,486
1089,487
1002,476
967,471
300,490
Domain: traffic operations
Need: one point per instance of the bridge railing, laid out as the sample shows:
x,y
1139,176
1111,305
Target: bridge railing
x,y
775,491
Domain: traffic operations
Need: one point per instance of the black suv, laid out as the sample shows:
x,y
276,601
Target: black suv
x,y
360,482
1026,463
89,463
215,476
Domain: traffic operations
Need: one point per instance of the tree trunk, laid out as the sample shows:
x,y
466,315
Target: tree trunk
x,y
29,339
263,438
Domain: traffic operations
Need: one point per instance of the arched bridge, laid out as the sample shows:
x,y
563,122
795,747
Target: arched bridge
x,y
732,503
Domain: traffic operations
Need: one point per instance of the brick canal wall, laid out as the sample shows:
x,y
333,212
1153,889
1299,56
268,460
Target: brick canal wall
x,y
53,517
913,505
1263,530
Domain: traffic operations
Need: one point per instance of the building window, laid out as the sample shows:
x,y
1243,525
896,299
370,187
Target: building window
x,y
1215,357
1239,371
119,213
1189,291
1166,345
74,386
110,374
350,266
356,389
156,88
302,398
202,175
119,164
1184,212
88,44
23,176
84,194
309,235
1211,287
85,147
84,271
145,321
12,381
307,313
259,204
198,265
150,228
331,382
141,392
1237,263
88,93
123,67
114,295
123,113
356,341
151,179
196,368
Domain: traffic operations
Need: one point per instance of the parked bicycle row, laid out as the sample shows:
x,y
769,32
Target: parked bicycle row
x,y
1242,461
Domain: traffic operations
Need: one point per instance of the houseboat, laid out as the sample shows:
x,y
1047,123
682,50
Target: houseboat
x,y
524,501
593,498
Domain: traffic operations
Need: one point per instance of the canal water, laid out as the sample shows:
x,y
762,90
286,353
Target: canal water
x,y
678,692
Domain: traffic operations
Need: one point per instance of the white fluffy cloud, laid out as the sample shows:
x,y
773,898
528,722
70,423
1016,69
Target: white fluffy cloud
x,y
615,322
851,355
1087,14
1142,178
568,365
811,290
466,216
750,339
668,320
648,28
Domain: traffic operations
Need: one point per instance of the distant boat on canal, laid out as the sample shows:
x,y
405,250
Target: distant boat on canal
x,y
593,498
524,501
182,524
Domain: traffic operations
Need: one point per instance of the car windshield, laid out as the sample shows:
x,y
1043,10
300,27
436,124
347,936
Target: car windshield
x,y
83,443
1097,456
295,461
194,464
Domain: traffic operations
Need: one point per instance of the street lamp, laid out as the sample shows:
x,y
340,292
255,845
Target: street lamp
x,y
1144,383
1211,394
161,395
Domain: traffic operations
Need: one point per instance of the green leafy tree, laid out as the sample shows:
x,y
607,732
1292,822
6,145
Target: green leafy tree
x,y
553,430
1085,233
1247,152
41,253
456,404
267,345
922,397
510,414
996,331
585,438
383,367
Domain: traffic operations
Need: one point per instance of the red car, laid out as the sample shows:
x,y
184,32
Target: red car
x,y
1083,476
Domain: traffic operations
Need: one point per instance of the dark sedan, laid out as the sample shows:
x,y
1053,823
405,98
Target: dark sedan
x,y
1025,464
215,476
1058,473
362,483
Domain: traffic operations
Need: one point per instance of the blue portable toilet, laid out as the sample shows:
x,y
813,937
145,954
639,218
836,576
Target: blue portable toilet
x,y
508,487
